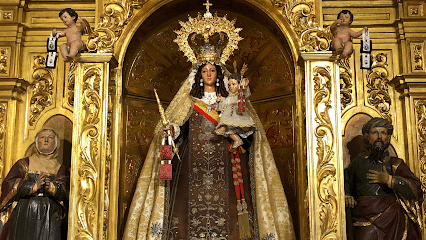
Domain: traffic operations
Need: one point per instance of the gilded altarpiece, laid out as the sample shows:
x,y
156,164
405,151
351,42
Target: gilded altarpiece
x,y
102,146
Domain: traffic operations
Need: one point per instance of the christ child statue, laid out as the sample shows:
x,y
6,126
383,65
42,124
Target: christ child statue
x,y
73,32
343,35
234,121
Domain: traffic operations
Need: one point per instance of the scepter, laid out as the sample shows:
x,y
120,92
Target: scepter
x,y
166,123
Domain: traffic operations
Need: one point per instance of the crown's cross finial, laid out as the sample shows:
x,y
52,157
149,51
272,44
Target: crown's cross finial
x,y
208,5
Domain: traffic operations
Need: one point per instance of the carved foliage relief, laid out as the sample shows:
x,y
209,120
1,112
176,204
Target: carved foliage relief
x,y
3,110
273,69
70,84
417,62
301,15
4,60
278,125
377,86
420,109
116,15
88,174
139,134
326,170
346,97
42,88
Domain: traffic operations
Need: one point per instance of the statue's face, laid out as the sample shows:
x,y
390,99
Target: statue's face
x,y
209,74
46,142
378,137
233,85
67,19
345,19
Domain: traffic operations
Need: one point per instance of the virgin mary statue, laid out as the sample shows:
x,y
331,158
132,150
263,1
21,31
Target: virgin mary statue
x,y
216,192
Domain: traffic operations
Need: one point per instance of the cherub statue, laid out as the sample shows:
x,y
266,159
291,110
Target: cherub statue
x,y
234,120
342,42
73,32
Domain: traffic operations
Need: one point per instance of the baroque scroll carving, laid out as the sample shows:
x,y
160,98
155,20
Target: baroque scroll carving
x,y
42,86
417,57
301,15
88,174
3,108
377,85
111,92
4,58
71,84
345,83
420,109
278,125
117,14
326,170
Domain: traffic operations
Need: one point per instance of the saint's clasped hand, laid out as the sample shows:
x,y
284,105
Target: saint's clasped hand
x,y
43,186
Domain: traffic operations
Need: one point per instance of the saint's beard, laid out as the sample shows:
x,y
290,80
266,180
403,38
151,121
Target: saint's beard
x,y
377,151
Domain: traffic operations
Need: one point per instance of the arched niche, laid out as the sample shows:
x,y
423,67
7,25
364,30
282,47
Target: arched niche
x,y
152,60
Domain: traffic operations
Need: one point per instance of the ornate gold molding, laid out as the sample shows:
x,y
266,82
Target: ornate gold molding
x,y
42,86
420,110
4,60
116,16
417,63
326,171
88,173
71,84
301,15
377,85
3,110
345,83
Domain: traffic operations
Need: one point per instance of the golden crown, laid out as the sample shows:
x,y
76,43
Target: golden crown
x,y
208,38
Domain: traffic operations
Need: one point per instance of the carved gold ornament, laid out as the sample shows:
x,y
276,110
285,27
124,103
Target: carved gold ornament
x,y
301,15
377,85
88,174
345,83
4,57
420,110
42,86
208,38
326,170
116,16
3,110
417,57
71,84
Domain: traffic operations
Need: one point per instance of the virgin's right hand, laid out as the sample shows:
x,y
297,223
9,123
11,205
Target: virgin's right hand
x,y
168,128
54,32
